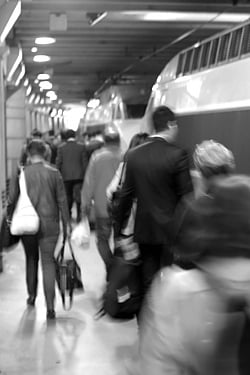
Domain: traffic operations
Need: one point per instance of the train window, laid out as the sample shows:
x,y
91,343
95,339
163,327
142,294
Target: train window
x,y
246,41
205,54
136,110
187,61
180,64
235,43
223,49
196,58
213,54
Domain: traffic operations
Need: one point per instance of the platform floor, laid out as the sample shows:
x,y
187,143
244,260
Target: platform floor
x,y
75,343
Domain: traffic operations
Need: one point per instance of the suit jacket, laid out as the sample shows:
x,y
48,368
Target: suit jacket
x,y
72,160
157,175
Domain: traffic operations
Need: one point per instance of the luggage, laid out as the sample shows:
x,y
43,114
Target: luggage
x,y
123,296
68,275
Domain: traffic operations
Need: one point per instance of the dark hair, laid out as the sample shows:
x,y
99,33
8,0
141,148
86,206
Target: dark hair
x,y
36,133
137,140
160,118
112,136
36,147
70,134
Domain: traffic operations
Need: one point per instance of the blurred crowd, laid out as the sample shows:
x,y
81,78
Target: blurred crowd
x,y
189,231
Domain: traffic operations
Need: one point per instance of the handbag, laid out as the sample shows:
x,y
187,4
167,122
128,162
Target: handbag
x,y
25,219
68,275
123,296
7,240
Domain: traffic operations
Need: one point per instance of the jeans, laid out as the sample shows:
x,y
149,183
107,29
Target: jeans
x,y
103,232
47,246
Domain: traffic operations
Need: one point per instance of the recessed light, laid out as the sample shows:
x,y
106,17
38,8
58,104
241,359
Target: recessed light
x,y
45,40
43,76
45,85
41,58
34,49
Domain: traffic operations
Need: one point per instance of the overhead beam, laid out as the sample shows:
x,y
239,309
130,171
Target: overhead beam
x,y
9,13
115,5
13,61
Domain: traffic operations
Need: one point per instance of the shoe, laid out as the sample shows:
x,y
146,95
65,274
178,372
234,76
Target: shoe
x,y
31,301
51,315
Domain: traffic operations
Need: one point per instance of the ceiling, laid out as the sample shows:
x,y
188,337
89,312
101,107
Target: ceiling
x,y
121,48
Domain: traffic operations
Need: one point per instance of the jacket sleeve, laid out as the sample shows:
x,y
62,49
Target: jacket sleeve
x,y
62,201
59,159
87,192
183,180
85,159
13,194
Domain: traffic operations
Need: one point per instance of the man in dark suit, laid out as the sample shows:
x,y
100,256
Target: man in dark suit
x,y
157,176
72,161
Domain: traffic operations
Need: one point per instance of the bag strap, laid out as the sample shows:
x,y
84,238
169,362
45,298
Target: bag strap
x,y
22,182
121,179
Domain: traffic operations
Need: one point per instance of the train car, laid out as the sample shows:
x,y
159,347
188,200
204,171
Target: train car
x,y
208,87
123,106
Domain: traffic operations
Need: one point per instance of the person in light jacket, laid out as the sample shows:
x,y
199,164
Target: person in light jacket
x,y
197,321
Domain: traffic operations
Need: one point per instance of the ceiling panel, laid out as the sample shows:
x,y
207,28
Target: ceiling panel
x,y
84,57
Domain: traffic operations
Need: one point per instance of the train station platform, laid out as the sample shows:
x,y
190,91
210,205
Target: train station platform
x,y
75,343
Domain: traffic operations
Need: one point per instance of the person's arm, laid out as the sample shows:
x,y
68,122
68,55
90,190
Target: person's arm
x,y
62,203
88,188
85,159
59,159
126,199
183,180
114,182
13,194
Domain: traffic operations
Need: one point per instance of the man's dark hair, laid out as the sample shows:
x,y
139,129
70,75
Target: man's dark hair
x,y
36,147
112,136
36,133
70,134
160,118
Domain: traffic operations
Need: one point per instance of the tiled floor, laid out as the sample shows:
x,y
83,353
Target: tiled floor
x,y
75,344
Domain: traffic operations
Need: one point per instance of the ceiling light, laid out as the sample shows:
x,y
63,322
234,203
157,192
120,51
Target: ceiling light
x,y
43,76
94,18
26,82
13,60
45,40
51,95
45,85
28,91
37,100
186,16
20,75
41,58
10,11
93,103
36,81
34,49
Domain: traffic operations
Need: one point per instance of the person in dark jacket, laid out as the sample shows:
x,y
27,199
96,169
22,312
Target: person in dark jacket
x,y
157,175
72,161
46,191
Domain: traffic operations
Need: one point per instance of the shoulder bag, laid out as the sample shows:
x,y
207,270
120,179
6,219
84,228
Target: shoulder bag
x,y
25,219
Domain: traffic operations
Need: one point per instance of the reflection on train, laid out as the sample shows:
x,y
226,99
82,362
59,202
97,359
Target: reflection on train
x,y
208,87
124,106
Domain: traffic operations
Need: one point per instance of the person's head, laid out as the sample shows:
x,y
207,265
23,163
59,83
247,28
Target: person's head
x,y
70,134
36,134
212,158
36,148
111,136
164,120
137,140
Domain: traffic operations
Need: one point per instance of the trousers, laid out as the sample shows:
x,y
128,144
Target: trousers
x,y
103,233
43,247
